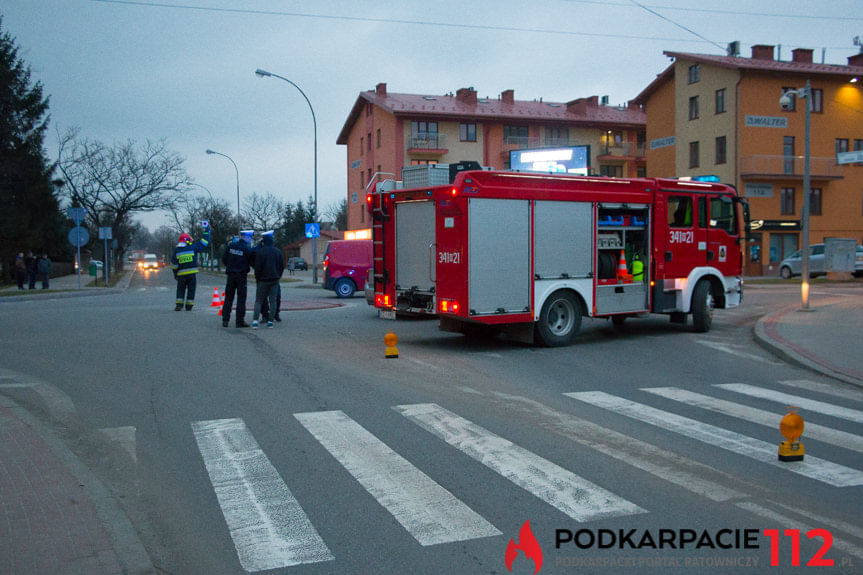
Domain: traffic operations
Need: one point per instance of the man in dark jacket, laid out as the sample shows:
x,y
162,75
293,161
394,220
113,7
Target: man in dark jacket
x,y
269,266
32,270
237,259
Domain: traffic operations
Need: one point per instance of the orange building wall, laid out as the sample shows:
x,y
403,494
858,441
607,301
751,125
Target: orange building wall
x,y
661,162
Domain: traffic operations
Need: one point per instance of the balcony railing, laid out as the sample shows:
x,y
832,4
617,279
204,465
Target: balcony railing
x,y
625,149
427,141
789,166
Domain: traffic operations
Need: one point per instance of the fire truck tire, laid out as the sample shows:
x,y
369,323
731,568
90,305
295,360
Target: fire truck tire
x,y
345,287
559,320
702,307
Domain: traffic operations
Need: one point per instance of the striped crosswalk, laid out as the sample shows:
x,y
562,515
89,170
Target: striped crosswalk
x,y
271,530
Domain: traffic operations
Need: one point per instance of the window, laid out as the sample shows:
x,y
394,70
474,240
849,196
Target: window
x,y
858,145
362,179
515,134
680,211
722,215
362,146
721,150
693,155
694,73
817,98
693,108
423,162
467,132
641,172
556,136
378,141
369,141
841,145
788,153
611,171
782,246
815,201
793,106
720,101
786,200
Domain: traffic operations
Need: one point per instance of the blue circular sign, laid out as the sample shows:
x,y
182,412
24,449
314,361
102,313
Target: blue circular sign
x,y
79,236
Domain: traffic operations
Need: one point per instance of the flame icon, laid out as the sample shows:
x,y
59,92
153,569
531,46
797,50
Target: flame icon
x,y
528,544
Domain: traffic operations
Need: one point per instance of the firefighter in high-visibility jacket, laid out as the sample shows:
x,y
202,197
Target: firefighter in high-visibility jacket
x,y
184,263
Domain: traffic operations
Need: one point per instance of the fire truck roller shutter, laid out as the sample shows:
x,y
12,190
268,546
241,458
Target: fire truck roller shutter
x,y
563,234
499,256
414,232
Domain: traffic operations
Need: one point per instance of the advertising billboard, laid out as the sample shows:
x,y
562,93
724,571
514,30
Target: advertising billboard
x,y
565,160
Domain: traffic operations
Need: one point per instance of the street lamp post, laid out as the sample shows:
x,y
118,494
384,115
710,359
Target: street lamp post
x,y
804,93
264,74
239,223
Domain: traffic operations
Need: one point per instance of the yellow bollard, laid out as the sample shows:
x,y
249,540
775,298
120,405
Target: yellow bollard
x,y
390,340
791,427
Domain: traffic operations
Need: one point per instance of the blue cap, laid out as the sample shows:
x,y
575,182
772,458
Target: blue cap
x,y
267,233
247,233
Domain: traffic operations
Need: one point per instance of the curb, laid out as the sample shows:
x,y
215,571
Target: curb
x,y
767,336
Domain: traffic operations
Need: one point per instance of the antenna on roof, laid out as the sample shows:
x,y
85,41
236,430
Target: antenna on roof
x,y
858,43
733,49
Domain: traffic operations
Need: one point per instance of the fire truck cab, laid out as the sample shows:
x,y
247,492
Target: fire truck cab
x,y
531,254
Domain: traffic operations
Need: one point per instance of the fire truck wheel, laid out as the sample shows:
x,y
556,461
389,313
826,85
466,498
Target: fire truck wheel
x,y
702,307
559,320
345,288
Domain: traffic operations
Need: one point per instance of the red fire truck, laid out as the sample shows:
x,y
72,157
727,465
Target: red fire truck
x,y
531,254
403,234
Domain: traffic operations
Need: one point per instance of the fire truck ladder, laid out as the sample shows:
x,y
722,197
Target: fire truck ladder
x,y
379,214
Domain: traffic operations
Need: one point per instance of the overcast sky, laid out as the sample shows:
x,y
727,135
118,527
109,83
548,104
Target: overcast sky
x,y
183,70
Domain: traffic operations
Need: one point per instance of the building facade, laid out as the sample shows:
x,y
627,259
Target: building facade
x,y
720,116
385,132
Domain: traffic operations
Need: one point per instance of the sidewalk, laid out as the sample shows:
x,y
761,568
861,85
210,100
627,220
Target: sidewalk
x,y
56,517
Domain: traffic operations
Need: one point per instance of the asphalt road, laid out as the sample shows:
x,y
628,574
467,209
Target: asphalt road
x,y
301,449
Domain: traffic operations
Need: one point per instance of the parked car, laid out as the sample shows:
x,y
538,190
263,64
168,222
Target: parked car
x,y
346,266
299,263
793,264
858,263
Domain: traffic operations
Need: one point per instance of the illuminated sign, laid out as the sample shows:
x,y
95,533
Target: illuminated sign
x,y
365,234
569,160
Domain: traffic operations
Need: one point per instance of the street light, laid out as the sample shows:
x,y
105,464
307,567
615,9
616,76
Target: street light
x,y
784,101
239,223
264,74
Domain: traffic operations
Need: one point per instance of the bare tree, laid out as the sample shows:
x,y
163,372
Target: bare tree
x,y
263,212
337,213
188,214
114,182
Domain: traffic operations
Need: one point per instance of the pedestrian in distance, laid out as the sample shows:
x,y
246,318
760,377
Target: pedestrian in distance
x,y
269,267
20,270
184,264
237,260
32,269
45,270
291,266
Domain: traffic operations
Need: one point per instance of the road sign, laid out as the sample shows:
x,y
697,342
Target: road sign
x,y
849,157
76,214
313,230
79,236
105,233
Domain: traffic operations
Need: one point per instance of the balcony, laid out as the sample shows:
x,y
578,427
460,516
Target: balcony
x,y
427,143
622,150
788,168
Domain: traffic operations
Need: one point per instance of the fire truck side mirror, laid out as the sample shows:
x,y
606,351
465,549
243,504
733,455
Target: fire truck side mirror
x,y
747,221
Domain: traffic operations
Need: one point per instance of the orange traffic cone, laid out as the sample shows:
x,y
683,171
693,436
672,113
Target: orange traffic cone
x,y
221,303
623,274
215,297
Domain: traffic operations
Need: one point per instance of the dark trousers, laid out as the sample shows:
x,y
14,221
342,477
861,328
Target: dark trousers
x,y
21,276
266,290
237,282
31,276
186,290
265,305
45,280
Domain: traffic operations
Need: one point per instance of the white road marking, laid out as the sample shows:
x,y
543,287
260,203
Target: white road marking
x,y
852,394
854,415
573,495
730,348
430,513
788,522
759,416
681,471
811,467
269,528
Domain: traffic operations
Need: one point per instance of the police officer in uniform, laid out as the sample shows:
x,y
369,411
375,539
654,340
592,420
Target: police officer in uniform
x,y
237,258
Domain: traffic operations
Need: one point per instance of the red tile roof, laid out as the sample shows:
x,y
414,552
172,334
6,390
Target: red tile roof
x,y
450,107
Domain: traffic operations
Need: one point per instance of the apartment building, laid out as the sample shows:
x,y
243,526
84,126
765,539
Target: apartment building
x,y
720,115
386,131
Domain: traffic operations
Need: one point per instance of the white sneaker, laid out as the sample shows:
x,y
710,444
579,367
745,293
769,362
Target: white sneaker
x,y
270,324
255,324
